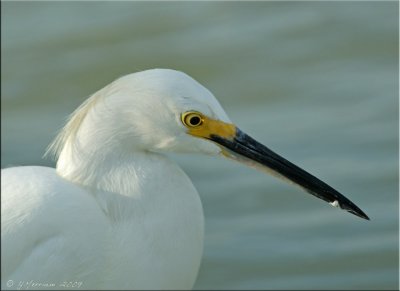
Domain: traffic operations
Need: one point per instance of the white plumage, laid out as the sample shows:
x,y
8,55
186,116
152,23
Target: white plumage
x,y
116,213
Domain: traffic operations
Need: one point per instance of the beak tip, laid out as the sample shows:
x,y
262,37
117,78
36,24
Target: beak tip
x,y
353,209
364,216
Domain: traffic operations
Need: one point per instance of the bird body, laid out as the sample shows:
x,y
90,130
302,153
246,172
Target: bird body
x,y
116,213
58,231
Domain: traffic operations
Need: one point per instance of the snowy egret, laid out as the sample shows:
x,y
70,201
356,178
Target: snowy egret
x,y
116,213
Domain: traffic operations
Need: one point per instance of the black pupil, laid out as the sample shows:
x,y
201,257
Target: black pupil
x,y
195,120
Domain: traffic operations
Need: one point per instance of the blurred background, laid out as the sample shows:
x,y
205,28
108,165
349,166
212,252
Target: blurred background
x,y
316,82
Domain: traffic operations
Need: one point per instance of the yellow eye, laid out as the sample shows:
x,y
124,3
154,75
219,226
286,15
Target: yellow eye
x,y
192,119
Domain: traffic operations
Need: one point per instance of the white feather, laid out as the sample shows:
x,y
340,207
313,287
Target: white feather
x,y
116,213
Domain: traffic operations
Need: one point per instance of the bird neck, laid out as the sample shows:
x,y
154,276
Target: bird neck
x,y
111,169
126,184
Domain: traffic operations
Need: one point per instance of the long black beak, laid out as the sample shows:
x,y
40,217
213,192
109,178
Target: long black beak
x,y
249,149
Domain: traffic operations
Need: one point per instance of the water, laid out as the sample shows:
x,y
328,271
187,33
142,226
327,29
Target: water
x,y
315,81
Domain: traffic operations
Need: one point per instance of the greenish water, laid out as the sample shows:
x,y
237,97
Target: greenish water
x,y
315,81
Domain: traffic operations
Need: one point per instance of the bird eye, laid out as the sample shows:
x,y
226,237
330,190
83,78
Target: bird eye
x,y
192,119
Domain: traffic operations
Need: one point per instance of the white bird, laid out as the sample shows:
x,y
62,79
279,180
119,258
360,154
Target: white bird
x,y
116,213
